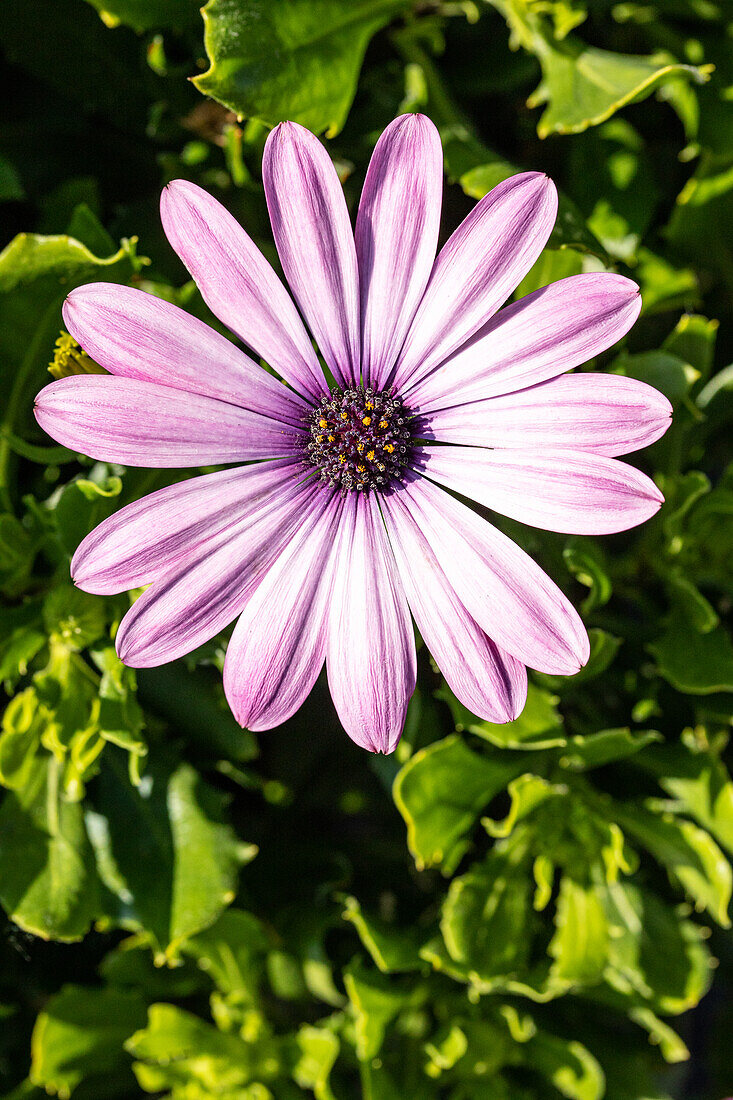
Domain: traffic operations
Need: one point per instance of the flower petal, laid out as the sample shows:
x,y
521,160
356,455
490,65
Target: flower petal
x,y
238,284
279,643
557,490
143,424
488,681
603,413
315,242
396,237
541,336
137,335
485,259
371,646
207,590
500,586
147,539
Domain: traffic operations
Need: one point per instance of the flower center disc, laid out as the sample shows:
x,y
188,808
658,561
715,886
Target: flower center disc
x,y
359,439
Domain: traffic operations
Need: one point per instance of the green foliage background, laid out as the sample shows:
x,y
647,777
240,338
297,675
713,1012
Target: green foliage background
x,y
536,910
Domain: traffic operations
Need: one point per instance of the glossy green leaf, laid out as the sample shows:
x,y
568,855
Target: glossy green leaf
x,y
296,59
440,792
700,785
232,953
79,1036
539,726
164,851
691,857
392,949
319,1050
48,883
30,256
698,664
375,1003
580,944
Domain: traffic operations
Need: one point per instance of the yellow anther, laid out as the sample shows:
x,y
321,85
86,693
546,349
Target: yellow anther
x,y
344,416
342,458
366,420
319,439
332,439
322,423
384,424
389,447
360,448
361,469
368,404
370,455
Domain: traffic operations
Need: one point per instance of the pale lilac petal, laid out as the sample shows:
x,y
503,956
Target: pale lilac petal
x,y
488,681
370,654
150,537
557,490
142,424
501,587
541,336
238,284
279,643
603,413
207,590
396,237
137,335
485,259
315,243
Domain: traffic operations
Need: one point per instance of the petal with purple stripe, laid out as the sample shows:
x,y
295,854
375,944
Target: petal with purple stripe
x,y
541,336
500,586
484,260
238,284
137,335
143,424
150,537
207,590
557,490
488,681
396,237
370,654
603,413
315,243
279,643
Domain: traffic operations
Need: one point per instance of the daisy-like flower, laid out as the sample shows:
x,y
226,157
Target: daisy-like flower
x,y
342,531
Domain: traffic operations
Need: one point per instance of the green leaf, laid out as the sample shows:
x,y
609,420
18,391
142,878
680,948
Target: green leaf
x,y
654,955
588,567
178,1050
691,857
539,726
567,1064
79,1036
375,1003
296,59
164,851
22,726
699,783
48,884
662,1035
485,920
693,340
440,792
580,944
319,1049
232,953
30,256
694,663
660,369
392,949
597,749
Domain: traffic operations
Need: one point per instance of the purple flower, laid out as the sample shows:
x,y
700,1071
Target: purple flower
x,y
325,547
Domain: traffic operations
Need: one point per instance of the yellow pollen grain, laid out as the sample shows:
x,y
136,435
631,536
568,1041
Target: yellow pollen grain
x,y
361,469
369,405
344,416
360,448
366,420
322,423
384,424
319,439
332,439
342,458
370,455
389,447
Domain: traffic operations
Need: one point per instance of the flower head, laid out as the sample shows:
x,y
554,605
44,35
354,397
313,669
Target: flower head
x,y
340,531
